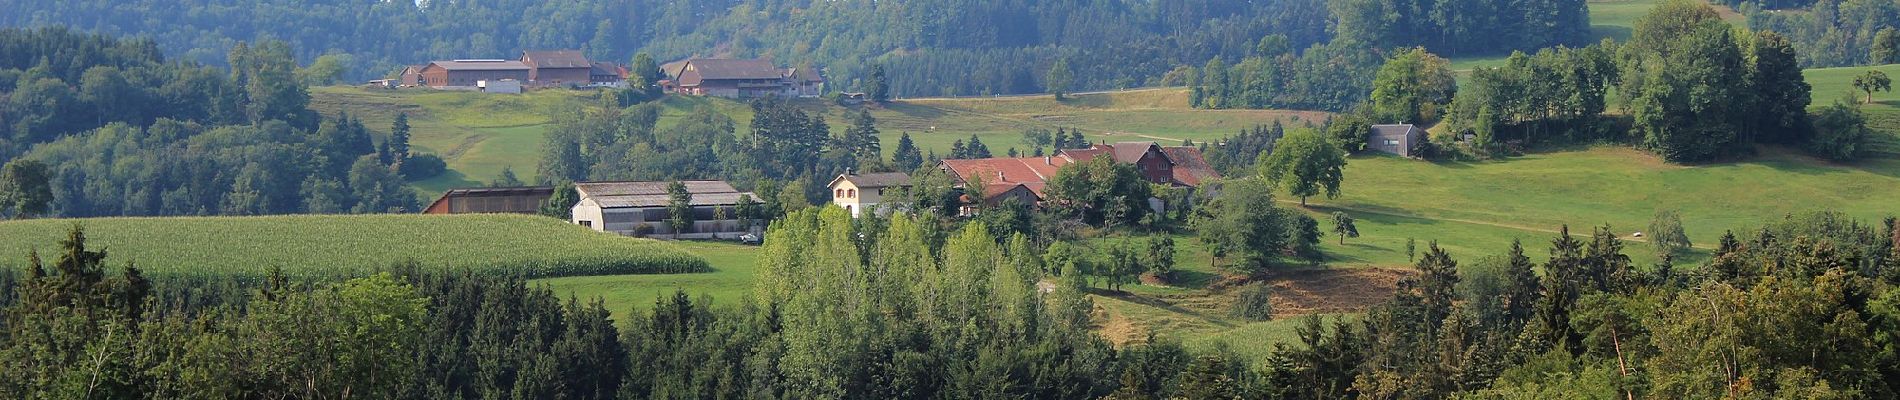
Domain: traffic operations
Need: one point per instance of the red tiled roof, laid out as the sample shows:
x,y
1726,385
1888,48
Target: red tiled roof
x,y
1032,172
1190,169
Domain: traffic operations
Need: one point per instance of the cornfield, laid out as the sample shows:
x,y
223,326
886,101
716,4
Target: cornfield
x,y
342,245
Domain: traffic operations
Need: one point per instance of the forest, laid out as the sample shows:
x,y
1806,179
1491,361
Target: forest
x,y
983,47
112,128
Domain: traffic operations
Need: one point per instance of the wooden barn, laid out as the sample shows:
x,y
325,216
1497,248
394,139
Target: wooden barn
x,y
518,200
466,74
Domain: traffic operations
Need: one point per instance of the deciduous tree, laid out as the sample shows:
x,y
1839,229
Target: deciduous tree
x,y
1305,164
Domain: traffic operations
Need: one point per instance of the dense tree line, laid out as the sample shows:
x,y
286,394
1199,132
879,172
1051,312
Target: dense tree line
x,y
1553,96
1833,33
787,147
930,47
1332,77
1463,27
121,132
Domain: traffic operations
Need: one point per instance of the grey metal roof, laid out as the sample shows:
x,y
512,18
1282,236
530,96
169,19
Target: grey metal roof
x,y
724,68
480,65
1392,130
557,59
636,188
877,180
661,200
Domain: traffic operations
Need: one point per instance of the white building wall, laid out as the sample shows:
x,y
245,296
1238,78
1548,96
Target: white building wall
x,y
587,213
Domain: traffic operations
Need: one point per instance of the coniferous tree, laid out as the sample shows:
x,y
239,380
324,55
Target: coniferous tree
x,y
906,156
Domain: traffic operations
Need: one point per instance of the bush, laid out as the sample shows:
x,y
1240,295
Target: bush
x,y
1840,133
1255,303
422,166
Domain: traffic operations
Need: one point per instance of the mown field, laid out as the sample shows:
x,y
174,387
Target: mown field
x,y
339,245
729,281
480,134
1618,186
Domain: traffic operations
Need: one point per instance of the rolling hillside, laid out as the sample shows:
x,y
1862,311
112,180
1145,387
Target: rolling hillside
x,y
481,134
343,245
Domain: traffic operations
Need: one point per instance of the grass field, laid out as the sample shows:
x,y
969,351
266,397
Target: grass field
x,y
1883,114
1618,186
730,281
479,134
336,245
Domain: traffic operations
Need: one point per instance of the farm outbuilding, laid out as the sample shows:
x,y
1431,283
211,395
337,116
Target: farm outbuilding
x,y
1397,139
519,200
640,208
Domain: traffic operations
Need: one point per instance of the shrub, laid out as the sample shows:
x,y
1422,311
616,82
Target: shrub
x,y
1255,303
422,166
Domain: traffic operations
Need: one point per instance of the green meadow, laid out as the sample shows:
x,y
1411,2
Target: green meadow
x,y
324,246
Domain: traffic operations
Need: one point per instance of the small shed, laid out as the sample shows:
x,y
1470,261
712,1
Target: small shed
x,y
1398,139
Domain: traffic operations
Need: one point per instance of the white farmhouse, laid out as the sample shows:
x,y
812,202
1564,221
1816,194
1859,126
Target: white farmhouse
x,y
858,193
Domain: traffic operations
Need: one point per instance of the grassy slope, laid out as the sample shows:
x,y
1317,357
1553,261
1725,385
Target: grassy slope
x,y
731,280
327,245
479,134
1832,84
1618,186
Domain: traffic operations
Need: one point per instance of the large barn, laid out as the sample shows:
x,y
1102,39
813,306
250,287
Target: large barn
x,y
740,78
640,208
519,200
468,74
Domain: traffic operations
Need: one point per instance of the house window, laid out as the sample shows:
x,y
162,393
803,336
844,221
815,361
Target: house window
x,y
1391,142
839,194
852,193
586,223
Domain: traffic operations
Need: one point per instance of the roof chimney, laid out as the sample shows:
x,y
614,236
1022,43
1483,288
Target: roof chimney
x,y
1048,160
1000,178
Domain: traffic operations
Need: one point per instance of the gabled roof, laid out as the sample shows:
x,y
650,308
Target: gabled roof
x,y
607,68
673,69
1032,172
637,188
1190,168
1392,130
1125,152
661,200
804,74
480,65
653,193
556,59
873,180
727,68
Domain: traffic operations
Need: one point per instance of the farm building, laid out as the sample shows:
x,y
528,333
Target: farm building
x,y
1398,139
607,75
860,192
412,75
640,208
520,200
740,78
557,67
467,74
1179,166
